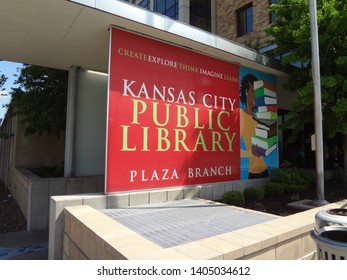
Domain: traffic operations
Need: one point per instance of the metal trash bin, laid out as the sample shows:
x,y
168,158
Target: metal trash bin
x,y
331,243
331,217
330,234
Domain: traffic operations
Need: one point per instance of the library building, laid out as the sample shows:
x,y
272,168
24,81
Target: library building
x,y
167,111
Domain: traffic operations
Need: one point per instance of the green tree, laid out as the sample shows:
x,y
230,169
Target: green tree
x,y
291,33
41,99
3,79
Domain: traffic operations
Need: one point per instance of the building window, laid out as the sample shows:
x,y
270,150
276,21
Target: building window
x,y
200,14
145,4
245,20
167,7
272,14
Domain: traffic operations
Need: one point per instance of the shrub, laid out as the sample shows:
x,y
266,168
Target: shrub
x,y
233,198
273,188
293,179
286,176
253,193
286,164
337,175
309,178
294,189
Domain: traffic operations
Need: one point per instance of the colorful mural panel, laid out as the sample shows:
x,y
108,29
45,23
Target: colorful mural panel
x,y
258,123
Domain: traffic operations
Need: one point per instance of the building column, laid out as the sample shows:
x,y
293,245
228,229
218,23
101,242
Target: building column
x,y
213,17
69,162
183,11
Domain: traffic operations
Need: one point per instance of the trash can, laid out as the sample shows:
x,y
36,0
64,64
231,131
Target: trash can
x,y
331,243
330,234
331,217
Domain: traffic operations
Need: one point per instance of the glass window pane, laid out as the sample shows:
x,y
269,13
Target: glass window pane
x,y
200,14
245,20
249,22
167,7
160,6
170,3
171,12
144,4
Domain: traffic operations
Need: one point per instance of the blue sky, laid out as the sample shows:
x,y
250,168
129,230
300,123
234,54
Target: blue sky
x,y
9,69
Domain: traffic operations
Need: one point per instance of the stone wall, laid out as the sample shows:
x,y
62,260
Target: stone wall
x,y
227,21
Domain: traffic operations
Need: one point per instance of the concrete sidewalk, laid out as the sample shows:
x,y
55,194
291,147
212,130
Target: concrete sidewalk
x,y
23,245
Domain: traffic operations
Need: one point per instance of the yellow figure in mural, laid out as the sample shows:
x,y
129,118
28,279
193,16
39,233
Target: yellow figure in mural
x,y
257,167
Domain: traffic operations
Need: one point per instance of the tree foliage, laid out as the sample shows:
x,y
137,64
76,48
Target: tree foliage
x,y
2,80
41,99
291,30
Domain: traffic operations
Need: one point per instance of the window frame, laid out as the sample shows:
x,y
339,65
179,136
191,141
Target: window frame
x,y
145,4
243,27
200,20
166,8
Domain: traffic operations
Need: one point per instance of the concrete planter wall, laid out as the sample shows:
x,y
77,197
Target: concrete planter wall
x,y
33,193
116,200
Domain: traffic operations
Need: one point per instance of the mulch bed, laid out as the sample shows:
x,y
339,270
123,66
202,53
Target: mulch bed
x,y
334,191
11,217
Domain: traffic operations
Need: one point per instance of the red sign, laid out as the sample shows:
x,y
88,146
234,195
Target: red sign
x,y
173,116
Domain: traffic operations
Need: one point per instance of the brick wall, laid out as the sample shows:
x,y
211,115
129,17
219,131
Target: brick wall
x,y
227,21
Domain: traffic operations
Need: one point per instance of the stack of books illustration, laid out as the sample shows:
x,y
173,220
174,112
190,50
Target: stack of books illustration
x,y
265,137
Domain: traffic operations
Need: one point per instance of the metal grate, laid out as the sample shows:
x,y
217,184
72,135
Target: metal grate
x,y
174,223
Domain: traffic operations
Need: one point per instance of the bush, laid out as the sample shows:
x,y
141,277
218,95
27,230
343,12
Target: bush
x,y
293,179
286,164
273,188
337,175
294,189
309,178
253,193
233,198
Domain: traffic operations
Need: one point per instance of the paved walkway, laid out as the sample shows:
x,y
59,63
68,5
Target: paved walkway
x,y
23,245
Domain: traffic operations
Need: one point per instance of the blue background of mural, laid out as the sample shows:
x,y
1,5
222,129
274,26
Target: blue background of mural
x,y
272,159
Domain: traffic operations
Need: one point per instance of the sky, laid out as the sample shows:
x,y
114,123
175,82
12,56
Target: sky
x,y
9,69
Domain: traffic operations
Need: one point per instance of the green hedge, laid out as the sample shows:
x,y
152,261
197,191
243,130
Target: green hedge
x,y
273,188
233,198
293,180
253,193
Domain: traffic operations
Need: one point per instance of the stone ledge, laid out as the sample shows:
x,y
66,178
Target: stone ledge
x,y
282,238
